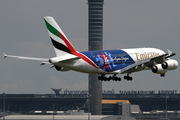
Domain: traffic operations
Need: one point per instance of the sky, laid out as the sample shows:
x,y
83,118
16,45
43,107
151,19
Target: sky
x,y
126,24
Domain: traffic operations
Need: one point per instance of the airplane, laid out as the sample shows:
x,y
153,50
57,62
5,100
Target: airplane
x,y
103,62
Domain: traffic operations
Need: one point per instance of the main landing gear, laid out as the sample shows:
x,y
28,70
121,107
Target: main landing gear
x,y
114,78
128,78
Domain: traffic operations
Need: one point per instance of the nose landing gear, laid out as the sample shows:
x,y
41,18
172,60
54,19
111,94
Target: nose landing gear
x,y
163,75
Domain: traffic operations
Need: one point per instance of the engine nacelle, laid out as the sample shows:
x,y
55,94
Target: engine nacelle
x,y
158,69
170,65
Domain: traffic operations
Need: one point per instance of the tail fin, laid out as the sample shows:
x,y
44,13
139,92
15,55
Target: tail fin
x,y
62,45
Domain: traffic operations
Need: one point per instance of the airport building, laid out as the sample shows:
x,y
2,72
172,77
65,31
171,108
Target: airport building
x,y
71,100
139,104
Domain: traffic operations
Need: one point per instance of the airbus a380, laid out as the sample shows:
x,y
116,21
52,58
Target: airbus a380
x,y
113,62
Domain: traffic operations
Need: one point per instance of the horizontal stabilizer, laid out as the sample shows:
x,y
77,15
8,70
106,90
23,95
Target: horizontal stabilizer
x,y
26,58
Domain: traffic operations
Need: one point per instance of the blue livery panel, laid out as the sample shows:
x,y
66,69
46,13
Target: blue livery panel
x,y
110,60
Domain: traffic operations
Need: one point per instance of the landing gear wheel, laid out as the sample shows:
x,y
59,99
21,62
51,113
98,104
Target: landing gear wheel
x,y
102,77
128,78
114,78
110,78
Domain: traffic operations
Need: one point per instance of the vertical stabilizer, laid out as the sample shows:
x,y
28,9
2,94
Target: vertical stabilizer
x,y
62,45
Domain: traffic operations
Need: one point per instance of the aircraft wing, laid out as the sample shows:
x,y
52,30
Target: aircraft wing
x,y
148,62
43,60
134,66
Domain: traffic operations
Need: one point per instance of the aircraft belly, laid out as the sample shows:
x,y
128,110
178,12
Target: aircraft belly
x,y
80,66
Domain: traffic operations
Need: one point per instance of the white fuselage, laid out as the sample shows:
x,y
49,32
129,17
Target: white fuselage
x,y
136,54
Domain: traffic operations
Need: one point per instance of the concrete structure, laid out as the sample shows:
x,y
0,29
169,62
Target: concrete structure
x,y
95,43
125,109
122,110
50,117
66,117
156,115
118,117
135,109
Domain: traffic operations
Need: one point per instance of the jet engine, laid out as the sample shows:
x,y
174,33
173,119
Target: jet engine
x,y
167,65
158,69
61,68
170,65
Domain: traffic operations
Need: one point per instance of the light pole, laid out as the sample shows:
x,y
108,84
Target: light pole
x,y
166,104
89,106
53,110
4,94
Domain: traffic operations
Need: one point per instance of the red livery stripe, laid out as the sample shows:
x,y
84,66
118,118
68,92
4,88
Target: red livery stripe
x,y
73,51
